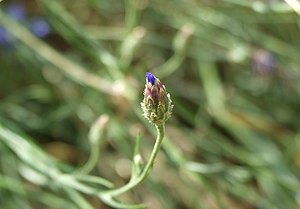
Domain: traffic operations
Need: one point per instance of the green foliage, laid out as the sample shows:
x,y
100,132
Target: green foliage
x,y
231,68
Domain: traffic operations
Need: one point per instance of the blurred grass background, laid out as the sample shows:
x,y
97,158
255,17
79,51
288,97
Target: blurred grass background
x,y
231,67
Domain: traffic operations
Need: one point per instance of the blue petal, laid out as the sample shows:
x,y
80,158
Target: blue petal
x,y
150,78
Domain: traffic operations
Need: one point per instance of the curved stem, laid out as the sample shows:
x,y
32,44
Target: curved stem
x,y
160,135
92,161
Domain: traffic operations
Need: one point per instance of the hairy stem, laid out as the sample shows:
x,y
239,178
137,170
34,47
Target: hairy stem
x,y
134,182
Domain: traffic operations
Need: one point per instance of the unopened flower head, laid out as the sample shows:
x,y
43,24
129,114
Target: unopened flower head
x,y
157,104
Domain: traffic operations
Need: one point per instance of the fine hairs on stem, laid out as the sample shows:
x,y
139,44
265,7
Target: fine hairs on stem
x,y
135,181
157,107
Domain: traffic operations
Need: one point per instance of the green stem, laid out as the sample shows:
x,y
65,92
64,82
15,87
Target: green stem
x,y
115,192
92,161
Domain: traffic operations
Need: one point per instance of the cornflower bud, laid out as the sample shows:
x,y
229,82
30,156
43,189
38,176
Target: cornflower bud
x,y
157,104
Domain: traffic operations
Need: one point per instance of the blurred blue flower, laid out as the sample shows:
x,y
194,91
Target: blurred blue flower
x,y
4,36
40,27
5,40
16,11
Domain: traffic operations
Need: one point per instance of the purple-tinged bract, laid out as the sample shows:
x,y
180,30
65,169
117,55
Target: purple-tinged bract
x,y
157,104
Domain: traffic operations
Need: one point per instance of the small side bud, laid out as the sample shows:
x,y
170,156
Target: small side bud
x,y
157,104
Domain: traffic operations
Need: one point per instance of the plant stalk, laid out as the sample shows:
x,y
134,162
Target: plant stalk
x,y
135,181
